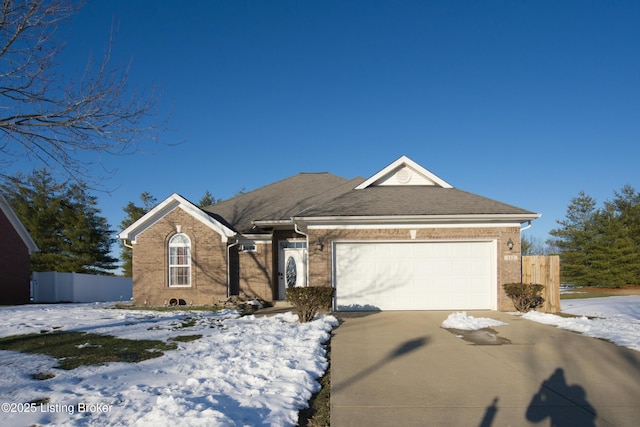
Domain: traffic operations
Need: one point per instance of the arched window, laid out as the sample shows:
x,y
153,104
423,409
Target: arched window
x,y
180,260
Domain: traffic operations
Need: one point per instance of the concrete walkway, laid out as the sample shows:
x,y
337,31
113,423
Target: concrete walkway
x,y
403,369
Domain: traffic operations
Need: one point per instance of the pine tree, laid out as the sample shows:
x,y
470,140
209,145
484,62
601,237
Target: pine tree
x,y
134,213
600,247
65,223
576,239
207,200
624,210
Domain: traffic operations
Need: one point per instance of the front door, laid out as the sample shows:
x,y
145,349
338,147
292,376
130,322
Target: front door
x,y
292,269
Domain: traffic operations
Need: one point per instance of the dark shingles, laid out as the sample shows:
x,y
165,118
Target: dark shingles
x,y
412,200
281,200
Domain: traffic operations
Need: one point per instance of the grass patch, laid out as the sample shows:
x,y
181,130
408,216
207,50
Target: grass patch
x,y
42,376
599,292
186,338
318,414
73,349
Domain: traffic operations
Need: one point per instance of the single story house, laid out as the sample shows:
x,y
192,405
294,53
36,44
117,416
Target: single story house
x,y
16,246
403,239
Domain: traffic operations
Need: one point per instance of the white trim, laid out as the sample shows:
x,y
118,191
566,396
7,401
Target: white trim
x,y
18,226
168,205
410,226
404,161
258,238
188,265
418,219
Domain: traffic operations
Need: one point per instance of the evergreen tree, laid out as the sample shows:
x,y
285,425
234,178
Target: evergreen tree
x,y
624,212
207,200
88,235
576,239
134,213
600,247
65,223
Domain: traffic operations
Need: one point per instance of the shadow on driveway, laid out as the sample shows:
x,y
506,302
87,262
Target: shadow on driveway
x,y
400,351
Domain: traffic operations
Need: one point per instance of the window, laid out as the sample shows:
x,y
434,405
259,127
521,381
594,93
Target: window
x,y
180,260
300,244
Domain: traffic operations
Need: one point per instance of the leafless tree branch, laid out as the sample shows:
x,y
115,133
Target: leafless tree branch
x,y
54,121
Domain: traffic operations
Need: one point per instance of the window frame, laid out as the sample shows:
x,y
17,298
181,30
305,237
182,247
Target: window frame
x,y
173,261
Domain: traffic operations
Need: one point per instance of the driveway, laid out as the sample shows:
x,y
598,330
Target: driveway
x,y
403,369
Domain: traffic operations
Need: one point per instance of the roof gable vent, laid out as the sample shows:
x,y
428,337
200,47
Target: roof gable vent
x,y
404,171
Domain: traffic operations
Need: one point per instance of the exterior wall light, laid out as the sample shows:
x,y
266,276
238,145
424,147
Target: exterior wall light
x,y
320,245
510,244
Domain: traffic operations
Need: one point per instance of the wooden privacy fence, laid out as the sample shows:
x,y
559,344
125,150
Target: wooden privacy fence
x,y
544,270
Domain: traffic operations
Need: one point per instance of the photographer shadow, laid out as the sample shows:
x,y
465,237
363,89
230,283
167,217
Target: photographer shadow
x,y
565,405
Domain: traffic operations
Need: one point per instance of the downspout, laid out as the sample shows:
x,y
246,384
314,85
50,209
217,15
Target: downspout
x,y
229,266
526,228
297,230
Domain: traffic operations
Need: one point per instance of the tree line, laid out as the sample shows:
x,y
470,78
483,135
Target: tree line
x,y
600,246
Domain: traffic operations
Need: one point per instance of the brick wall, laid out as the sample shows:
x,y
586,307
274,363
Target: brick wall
x,y
508,261
256,272
151,261
14,265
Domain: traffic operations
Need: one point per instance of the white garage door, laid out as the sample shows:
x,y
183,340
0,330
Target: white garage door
x,y
415,276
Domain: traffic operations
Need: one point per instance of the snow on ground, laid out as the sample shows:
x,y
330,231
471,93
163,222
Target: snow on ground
x,y
244,371
616,319
462,321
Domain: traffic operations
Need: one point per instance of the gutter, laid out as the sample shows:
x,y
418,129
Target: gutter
x,y
418,218
306,261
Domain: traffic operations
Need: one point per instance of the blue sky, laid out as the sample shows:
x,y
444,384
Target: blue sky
x,y
526,102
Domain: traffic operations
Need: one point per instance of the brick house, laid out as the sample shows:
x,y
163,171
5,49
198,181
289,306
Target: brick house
x,y
16,246
403,239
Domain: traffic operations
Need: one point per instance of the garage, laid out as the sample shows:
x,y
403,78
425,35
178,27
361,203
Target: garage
x,y
447,275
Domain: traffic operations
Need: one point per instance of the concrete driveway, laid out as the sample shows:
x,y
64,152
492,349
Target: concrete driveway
x,y
403,369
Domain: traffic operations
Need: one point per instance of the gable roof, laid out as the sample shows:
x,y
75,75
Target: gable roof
x,y
18,225
405,190
404,171
175,201
275,204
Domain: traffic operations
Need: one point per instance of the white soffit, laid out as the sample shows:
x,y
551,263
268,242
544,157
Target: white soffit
x,y
404,171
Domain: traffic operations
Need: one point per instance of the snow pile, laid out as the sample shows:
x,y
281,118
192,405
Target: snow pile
x,y
244,371
462,321
618,319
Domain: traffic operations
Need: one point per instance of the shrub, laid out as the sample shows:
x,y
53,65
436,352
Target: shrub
x,y
309,300
525,296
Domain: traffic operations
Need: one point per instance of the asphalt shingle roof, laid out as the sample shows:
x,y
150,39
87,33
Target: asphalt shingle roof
x,y
411,200
281,200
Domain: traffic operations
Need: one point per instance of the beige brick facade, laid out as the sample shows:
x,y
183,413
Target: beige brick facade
x,y
508,261
255,273
254,270
151,263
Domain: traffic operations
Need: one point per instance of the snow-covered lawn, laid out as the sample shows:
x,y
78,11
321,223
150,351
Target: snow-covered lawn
x,y
244,371
616,319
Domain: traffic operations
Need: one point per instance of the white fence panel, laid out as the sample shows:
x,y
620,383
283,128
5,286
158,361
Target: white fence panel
x,y
51,287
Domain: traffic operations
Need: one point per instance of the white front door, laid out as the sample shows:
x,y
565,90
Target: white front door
x,y
292,269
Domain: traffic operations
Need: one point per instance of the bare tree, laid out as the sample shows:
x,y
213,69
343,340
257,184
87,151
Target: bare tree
x,y
47,118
